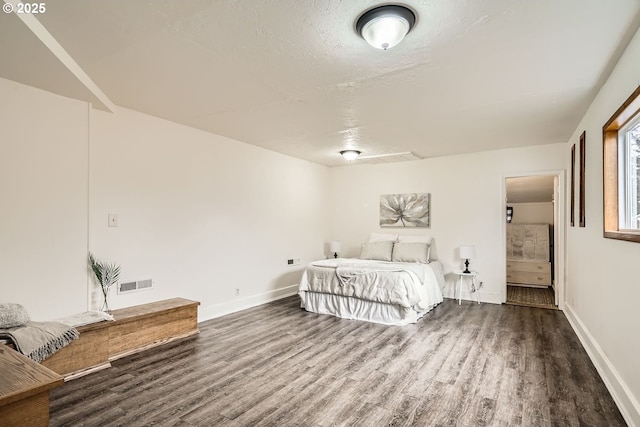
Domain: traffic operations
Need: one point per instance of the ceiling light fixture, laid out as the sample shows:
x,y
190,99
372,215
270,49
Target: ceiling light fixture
x,y
383,27
350,154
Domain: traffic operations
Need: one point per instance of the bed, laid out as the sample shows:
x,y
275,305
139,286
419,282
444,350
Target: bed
x,y
393,282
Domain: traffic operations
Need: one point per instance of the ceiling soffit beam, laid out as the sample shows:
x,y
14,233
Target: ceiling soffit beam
x,y
63,56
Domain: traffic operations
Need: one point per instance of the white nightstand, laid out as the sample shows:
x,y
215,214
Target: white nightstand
x,y
474,287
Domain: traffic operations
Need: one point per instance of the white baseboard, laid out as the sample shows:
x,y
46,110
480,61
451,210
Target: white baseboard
x,y
626,401
485,297
228,307
490,297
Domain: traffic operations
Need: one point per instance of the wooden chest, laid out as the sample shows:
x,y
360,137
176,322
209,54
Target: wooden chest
x,y
134,329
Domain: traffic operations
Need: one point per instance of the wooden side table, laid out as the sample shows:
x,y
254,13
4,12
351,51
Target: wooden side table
x,y
474,288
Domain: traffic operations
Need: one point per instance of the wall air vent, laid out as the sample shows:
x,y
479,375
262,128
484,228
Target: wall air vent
x,y
139,285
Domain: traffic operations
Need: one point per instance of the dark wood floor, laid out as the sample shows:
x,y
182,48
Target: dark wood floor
x,y
277,365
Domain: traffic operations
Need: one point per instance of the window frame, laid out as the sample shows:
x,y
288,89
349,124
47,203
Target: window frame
x,y
627,112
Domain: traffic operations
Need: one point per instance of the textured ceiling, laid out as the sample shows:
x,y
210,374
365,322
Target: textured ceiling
x,y
292,76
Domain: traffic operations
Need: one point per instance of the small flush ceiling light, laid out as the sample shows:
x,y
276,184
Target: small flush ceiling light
x,y
384,27
350,154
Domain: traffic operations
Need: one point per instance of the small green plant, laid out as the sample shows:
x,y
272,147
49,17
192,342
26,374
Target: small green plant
x,y
107,275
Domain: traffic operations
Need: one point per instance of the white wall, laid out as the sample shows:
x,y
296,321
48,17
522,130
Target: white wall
x,y
467,204
201,214
43,199
532,213
603,284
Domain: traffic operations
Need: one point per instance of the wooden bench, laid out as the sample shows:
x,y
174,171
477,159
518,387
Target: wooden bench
x,y
134,329
24,390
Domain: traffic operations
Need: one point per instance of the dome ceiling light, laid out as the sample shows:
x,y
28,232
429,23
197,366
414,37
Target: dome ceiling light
x,y
384,27
350,154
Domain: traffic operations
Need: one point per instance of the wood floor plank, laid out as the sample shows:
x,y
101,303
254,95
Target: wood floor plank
x,y
153,403
433,396
491,377
301,396
394,386
278,365
435,353
314,398
444,410
369,415
239,399
456,358
102,402
535,378
469,381
563,413
509,404
404,412
478,412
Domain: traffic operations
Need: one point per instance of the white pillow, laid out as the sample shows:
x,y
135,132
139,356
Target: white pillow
x,y
380,251
383,237
419,238
12,315
411,252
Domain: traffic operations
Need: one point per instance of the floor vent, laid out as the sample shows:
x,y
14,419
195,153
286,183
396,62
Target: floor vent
x,y
139,285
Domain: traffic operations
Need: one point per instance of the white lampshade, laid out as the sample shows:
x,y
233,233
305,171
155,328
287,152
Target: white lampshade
x,y
334,246
467,252
385,26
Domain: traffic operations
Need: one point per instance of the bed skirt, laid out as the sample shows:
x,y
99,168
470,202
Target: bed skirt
x,y
358,309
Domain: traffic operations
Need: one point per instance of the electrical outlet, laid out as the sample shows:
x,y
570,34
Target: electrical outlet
x,y
293,261
237,291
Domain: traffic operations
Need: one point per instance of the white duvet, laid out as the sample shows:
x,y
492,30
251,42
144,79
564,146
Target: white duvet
x,y
409,285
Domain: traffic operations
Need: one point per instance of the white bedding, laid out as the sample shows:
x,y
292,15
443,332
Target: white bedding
x,y
378,291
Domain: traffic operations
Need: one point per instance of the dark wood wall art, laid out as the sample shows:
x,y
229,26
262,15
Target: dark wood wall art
x,y
582,178
572,211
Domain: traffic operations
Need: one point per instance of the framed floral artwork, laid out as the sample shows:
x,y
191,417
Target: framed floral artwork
x,y
405,210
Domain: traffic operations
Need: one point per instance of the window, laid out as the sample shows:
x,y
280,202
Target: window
x,y
629,161
621,167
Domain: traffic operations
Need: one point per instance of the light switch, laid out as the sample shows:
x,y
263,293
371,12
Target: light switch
x,y
113,220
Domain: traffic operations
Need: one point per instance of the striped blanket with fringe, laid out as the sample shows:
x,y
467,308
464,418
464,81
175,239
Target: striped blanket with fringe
x,y
39,340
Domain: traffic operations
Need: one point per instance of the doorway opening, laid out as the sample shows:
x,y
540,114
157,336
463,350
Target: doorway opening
x,y
533,243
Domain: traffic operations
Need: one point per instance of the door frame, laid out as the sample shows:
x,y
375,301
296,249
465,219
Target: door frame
x,y
559,231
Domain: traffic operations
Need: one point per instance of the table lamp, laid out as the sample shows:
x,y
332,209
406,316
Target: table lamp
x,y
467,252
334,246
